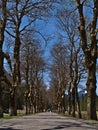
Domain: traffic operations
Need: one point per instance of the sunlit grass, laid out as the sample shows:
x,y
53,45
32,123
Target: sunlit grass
x,y
6,116
20,113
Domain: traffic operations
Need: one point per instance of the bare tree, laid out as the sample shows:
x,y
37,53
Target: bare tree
x,y
32,68
20,11
59,70
3,19
68,23
90,52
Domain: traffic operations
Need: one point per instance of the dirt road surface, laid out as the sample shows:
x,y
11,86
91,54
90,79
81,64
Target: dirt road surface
x,y
45,121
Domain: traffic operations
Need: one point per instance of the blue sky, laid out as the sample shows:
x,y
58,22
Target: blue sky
x,y
48,30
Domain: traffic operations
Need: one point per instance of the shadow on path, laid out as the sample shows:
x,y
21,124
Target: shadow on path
x,y
72,125
8,129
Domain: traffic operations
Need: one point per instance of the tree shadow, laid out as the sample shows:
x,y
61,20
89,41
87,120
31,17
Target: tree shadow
x,y
71,125
9,129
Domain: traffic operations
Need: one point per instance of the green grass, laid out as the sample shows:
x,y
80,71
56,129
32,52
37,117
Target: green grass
x,y
7,116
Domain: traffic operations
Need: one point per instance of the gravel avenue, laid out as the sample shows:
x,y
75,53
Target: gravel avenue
x,y
45,121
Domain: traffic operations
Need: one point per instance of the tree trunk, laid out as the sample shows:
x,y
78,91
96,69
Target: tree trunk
x,y
73,102
69,100
26,103
63,103
2,29
90,55
26,112
91,93
16,76
78,104
1,109
1,74
13,104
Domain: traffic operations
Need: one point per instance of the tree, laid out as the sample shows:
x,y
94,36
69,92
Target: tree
x,y
54,92
32,68
20,11
68,23
90,52
59,72
3,19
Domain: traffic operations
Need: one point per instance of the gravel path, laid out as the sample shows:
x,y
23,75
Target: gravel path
x,y
45,121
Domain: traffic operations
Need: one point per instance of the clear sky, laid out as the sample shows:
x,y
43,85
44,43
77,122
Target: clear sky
x,y
48,30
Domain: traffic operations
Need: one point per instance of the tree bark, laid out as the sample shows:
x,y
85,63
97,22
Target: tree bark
x,y
71,80
26,103
13,105
1,70
69,100
2,29
73,101
16,76
90,53
91,93
78,104
1,74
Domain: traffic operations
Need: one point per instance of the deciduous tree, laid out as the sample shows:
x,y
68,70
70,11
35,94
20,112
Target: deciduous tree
x,y
21,15
90,51
59,73
3,19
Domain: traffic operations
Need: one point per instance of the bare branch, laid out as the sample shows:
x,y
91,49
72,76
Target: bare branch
x,y
27,25
9,33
